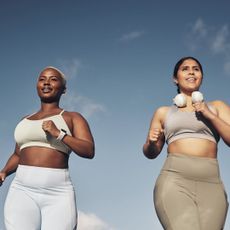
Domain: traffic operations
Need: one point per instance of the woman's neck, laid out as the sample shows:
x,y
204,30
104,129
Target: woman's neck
x,y
45,107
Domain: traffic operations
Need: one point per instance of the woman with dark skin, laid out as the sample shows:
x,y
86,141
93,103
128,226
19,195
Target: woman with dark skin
x,y
189,193
41,195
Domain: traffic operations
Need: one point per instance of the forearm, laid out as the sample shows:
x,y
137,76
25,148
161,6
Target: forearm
x,y
11,165
222,128
152,149
82,148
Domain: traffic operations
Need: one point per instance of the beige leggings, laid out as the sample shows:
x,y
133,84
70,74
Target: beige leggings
x,y
189,194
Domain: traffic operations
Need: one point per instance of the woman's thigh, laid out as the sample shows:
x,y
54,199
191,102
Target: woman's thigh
x,y
174,203
212,205
59,211
189,204
21,211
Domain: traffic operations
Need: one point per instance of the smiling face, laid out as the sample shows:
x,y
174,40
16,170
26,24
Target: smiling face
x,y
189,76
50,85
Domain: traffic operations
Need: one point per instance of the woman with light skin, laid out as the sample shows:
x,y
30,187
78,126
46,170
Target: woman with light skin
x,y
189,193
41,195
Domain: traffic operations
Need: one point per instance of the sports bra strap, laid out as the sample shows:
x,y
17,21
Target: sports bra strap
x,y
30,115
62,112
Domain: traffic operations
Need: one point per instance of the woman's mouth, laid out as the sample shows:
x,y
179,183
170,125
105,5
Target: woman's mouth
x,y
46,90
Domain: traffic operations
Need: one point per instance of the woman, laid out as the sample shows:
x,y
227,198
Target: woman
x,y
189,194
41,195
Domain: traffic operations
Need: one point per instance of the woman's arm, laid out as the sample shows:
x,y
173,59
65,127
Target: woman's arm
x,y
220,120
10,166
155,139
81,141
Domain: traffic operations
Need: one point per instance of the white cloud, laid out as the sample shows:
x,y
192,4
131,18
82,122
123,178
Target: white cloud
x,y
89,221
70,100
82,104
131,36
70,67
214,40
220,42
197,35
199,29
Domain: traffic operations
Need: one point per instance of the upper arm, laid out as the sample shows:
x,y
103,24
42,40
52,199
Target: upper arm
x,y
17,150
223,111
158,118
81,128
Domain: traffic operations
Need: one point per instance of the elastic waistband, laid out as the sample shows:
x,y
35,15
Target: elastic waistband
x,y
42,177
193,167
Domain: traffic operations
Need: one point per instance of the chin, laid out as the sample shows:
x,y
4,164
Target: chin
x,y
48,100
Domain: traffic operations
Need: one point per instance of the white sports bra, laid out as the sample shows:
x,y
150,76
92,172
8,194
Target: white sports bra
x,y
29,133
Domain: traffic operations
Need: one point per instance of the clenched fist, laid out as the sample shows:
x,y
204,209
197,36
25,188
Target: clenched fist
x,y
50,128
201,107
155,134
2,177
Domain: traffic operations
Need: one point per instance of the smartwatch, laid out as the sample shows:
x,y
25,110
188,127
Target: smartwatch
x,y
61,135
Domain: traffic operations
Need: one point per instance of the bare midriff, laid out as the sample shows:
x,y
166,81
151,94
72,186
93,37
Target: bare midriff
x,y
194,147
43,157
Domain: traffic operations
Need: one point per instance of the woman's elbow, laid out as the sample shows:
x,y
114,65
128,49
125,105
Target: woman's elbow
x,y
149,154
91,152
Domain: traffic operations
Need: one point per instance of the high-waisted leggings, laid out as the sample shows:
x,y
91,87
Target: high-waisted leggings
x,y
189,194
40,199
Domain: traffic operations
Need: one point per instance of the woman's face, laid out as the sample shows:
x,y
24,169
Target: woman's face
x,y
50,85
189,76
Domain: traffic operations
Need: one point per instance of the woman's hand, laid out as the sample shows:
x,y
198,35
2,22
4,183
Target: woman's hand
x,y
201,107
50,128
154,143
2,177
155,135
155,139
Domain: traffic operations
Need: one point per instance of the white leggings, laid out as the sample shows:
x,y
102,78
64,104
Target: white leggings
x,y
40,199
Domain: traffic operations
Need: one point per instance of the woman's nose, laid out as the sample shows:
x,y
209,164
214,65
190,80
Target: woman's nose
x,y
47,81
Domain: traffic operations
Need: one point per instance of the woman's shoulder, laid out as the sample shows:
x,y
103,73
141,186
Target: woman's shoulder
x,y
73,115
161,113
219,105
163,110
27,116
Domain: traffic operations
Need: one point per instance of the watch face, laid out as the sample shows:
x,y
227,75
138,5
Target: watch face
x,y
63,130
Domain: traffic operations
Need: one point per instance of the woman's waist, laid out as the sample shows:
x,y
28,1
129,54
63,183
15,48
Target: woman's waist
x,y
43,157
194,147
34,176
192,167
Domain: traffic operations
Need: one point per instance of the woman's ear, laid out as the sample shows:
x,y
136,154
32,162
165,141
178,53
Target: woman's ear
x,y
175,80
64,90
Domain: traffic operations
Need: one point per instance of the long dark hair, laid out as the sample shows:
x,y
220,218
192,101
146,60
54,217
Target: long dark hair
x,y
179,63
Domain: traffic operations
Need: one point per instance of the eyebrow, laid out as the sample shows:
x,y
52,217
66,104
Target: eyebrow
x,y
194,66
51,76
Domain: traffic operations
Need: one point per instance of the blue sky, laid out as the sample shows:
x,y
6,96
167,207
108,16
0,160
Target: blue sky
x,y
118,57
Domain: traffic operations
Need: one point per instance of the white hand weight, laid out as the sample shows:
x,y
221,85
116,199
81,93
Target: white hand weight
x,y
197,97
180,99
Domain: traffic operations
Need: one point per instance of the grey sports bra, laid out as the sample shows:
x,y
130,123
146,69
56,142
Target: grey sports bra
x,y
181,124
29,133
